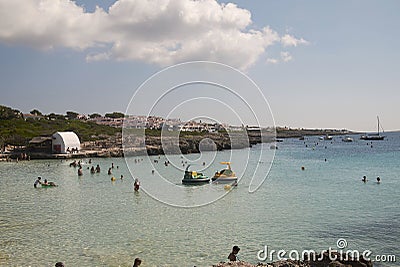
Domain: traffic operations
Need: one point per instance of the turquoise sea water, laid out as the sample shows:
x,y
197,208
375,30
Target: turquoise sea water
x,y
91,221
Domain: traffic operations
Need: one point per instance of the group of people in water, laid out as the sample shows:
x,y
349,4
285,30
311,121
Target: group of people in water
x,y
137,262
364,179
97,169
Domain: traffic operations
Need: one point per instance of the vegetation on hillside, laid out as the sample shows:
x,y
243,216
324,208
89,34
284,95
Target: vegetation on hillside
x,y
17,130
114,115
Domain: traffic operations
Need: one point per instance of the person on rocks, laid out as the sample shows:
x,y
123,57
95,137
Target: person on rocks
x,y
233,255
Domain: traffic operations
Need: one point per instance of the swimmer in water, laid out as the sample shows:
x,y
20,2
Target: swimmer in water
x,y
364,179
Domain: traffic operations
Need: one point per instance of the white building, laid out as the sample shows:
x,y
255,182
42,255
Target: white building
x,y
65,142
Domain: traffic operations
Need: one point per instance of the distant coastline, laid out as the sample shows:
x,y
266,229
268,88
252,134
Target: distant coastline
x,y
102,136
111,146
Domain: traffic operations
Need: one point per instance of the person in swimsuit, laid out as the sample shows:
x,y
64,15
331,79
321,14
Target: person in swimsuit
x,y
37,182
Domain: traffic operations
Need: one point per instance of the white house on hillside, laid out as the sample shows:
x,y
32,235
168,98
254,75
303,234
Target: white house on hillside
x,y
65,142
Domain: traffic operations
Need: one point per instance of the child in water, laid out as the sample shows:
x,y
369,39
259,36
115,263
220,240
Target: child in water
x,y
136,185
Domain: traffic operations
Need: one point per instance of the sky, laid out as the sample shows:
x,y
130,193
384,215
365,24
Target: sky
x,y
319,64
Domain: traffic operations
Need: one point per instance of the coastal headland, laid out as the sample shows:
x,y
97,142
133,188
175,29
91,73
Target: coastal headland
x,y
24,136
155,144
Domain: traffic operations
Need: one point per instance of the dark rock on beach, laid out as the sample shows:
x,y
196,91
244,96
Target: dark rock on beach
x,y
321,260
282,263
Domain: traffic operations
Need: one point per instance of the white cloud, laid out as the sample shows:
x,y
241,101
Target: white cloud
x,y
161,32
286,57
289,40
272,60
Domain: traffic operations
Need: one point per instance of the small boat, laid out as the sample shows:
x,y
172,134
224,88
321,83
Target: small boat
x,y
326,137
301,138
225,175
194,177
347,139
373,137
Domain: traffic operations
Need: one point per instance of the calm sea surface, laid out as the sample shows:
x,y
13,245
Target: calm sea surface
x,y
91,221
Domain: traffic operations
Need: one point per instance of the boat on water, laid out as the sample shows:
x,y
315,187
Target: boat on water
x,y
194,177
326,137
374,136
225,175
347,139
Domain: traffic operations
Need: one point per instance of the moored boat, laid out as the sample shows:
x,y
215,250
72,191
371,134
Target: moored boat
x,y
347,139
226,175
326,137
194,178
375,136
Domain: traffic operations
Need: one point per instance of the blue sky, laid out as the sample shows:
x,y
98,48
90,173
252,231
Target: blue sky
x,y
320,64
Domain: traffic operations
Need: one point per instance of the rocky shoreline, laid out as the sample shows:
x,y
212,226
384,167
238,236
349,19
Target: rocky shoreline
x,y
326,259
114,146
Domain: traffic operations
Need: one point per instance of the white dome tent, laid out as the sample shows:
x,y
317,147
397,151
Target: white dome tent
x,y
65,142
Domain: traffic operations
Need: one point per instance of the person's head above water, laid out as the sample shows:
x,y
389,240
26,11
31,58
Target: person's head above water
x,y
59,264
137,262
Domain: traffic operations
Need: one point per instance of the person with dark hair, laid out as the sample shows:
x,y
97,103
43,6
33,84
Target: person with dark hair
x,y
137,262
59,264
136,185
378,180
233,255
37,182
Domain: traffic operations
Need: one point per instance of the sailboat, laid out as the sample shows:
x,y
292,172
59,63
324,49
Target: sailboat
x,y
373,137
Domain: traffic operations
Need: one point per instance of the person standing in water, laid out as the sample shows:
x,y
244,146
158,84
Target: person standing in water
x,y
378,180
136,185
37,182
